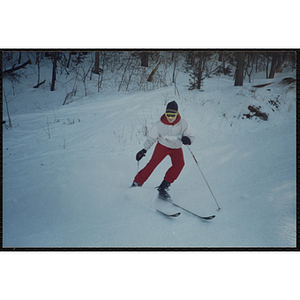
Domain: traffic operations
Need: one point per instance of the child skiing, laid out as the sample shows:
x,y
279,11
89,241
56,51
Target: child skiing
x,y
171,131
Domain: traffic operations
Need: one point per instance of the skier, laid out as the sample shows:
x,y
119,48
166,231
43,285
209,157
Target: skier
x,y
171,131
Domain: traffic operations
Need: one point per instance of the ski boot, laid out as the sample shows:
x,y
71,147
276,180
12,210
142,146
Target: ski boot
x,y
162,193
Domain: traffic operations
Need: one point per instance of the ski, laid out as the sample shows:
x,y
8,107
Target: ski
x,y
174,215
192,213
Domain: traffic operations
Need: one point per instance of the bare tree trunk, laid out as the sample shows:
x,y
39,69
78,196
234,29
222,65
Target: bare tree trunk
x,y
144,59
150,78
54,58
198,69
193,58
125,69
202,60
129,78
100,79
84,77
38,65
220,57
223,65
282,59
273,65
267,68
174,59
8,115
250,64
239,72
96,66
70,55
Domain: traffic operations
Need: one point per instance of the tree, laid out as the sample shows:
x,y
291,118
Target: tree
x,y
267,67
8,115
144,59
38,62
14,68
222,60
96,69
275,57
250,59
84,75
174,60
278,59
125,69
239,71
198,67
100,78
68,63
54,61
150,78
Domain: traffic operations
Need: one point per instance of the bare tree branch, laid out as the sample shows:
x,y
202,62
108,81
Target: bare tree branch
x,y
13,69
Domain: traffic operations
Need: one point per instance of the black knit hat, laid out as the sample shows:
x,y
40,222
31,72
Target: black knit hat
x,y
172,107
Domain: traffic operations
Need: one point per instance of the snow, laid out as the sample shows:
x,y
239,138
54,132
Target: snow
x,y
67,169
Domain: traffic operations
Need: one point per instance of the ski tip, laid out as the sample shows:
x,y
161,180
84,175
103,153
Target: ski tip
x,y
169,215
176,214
208,218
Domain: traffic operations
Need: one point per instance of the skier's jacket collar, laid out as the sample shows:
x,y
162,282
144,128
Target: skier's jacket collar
x,y
164,120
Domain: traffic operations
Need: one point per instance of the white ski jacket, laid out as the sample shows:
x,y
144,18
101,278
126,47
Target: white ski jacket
x,y
169,134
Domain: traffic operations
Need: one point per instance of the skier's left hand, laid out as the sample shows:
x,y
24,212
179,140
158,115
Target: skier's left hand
x,y
186,140
140,154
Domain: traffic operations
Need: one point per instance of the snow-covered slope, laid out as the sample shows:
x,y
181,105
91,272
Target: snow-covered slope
x,y
67,169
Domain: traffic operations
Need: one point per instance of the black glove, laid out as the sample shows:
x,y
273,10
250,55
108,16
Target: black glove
x,y
186,140
140,154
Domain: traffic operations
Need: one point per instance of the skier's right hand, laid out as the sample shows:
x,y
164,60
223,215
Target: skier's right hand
x,y
140,154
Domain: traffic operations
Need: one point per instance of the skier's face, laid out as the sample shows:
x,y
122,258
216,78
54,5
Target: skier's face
x,y
171,117
171,120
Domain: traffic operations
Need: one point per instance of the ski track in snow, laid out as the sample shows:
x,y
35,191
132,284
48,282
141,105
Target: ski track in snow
x,y
72,189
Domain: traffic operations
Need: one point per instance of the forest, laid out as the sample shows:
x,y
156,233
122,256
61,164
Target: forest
x,y
139,70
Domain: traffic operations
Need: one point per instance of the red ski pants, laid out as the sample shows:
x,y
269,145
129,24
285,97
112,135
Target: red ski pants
x,y
160,152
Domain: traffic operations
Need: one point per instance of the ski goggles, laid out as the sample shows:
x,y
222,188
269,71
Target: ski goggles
x,y
171,115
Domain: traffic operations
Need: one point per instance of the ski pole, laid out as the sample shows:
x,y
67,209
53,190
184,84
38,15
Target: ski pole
x,y
204,178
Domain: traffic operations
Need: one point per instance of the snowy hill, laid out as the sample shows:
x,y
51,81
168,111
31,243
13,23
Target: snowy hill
x,y
67,168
